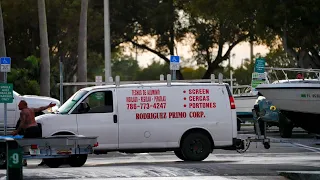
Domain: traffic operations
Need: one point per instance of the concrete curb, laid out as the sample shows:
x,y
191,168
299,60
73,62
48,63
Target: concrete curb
x,y
301,175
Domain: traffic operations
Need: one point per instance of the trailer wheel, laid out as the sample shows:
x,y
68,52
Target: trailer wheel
x,y
179,154
53,162
196,147
77,160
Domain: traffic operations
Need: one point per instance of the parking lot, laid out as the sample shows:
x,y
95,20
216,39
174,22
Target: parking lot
x,y
300,153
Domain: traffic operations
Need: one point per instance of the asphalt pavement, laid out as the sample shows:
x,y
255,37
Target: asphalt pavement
x,y
299,153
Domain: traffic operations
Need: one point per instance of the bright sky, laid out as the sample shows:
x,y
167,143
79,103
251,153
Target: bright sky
x,y
241,51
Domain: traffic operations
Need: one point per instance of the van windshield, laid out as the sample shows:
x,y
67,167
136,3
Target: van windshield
x,y
65,108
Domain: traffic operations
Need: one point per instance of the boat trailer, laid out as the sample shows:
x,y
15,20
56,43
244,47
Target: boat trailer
x,y
54,150
245,143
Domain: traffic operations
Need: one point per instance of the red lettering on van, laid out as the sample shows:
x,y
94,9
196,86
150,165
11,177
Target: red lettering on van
x,y
160,98
197,114
203,105
141,116
198,91
132,99
199,98
136,92
145,98
153,92
177,115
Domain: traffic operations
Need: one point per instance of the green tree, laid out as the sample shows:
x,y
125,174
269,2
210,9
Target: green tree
x,y
157,19
153,71
276,58
26,80
295,23
215,24
192,73
3,52
126,67
244,72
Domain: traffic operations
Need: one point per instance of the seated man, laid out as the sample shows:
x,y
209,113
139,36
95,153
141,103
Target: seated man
x,y
28,124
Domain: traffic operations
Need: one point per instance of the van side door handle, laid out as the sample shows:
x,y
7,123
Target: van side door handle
x,y
115,118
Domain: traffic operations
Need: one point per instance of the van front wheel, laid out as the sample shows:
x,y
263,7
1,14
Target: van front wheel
x,y
53,162
196,147
77,160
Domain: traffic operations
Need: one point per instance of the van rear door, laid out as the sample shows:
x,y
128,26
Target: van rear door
x,y
232,106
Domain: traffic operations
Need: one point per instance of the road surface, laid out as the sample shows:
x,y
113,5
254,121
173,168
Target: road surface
x,y
300,153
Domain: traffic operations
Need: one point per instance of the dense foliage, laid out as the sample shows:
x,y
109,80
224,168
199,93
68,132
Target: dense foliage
x,y
215,26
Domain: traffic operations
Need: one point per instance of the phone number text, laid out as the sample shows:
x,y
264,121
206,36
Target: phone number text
x,y
147,106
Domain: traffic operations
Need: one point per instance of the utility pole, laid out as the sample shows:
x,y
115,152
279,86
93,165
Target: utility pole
x,y
251,49
107,41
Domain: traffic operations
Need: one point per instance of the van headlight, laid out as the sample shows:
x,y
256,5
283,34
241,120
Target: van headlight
x,y
50,110
53,109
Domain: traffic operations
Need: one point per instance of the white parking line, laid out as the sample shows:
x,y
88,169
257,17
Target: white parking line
x,y
310,148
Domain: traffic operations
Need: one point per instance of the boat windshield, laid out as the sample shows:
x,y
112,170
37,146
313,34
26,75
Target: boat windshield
x,y
65,108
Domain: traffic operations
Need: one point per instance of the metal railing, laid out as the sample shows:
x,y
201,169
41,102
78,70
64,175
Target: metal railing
x,y
161,80
168,80
284,70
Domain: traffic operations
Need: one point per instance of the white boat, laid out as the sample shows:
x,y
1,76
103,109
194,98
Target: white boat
x,y
244,102
297,99
244,105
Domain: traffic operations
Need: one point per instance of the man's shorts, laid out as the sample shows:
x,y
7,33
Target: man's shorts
x,y
32,132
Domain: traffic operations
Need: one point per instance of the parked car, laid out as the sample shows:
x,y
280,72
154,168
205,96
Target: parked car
x,y
13,112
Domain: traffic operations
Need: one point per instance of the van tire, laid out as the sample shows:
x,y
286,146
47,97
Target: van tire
x,y
53,162
191,144
179,154
3,160
77,160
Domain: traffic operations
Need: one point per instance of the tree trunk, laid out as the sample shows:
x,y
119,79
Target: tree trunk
x,y
207,74
44,50
172,35
82,44
211,67
171,20
2,42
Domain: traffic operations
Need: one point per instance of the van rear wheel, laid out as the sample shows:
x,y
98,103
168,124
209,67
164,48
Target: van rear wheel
x,y
196,147
179,154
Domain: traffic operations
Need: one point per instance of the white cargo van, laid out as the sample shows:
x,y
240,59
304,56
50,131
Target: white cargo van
x,y
190,119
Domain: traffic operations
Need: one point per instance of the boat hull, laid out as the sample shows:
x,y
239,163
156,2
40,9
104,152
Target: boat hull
x,y
244,105
298,102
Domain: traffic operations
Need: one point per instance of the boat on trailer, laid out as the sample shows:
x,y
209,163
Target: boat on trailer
x,y
297,99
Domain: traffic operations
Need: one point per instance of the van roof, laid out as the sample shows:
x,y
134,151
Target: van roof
x,y
151,85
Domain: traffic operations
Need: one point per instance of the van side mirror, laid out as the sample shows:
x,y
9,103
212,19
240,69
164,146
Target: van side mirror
x,y
83,107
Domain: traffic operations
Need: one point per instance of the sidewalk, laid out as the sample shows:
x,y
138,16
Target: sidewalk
x,y
189,178
301,175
